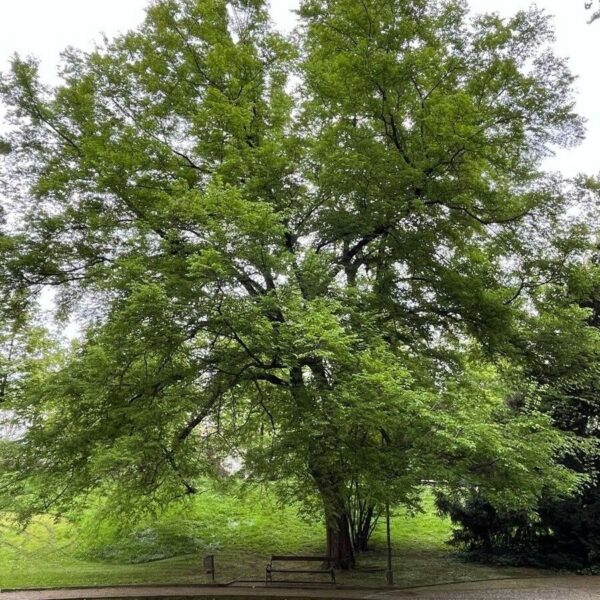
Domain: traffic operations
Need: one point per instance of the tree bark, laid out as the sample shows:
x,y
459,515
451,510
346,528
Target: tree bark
x,y
339,542
337,521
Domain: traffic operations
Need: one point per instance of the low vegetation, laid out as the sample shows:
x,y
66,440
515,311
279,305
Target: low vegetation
x,y
240,531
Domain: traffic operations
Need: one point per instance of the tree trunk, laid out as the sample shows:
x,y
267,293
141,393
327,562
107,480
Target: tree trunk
x,y
337,521
339,542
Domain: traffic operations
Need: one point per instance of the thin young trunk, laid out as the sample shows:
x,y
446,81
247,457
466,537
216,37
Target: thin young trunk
x,y
363,516
363,529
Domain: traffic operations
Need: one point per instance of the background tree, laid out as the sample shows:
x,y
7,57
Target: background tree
x,y
562,355
565,358
325,281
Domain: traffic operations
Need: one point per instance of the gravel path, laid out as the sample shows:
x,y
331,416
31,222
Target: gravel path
x,y
548,588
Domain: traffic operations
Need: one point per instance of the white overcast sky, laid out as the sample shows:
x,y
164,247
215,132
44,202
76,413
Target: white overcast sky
x,y
44,27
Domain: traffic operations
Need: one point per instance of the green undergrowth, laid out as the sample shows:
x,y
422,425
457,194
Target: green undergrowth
x,y
240,530
213,522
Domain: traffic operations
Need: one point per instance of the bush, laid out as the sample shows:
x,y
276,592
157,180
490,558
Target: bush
x,y
564,534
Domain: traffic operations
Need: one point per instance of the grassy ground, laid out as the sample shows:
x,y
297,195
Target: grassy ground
x,y
240,532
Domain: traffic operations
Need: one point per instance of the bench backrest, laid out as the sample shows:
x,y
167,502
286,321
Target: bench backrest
x,y
300,558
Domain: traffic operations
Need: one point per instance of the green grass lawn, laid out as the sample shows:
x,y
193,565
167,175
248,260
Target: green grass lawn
x,y
241,532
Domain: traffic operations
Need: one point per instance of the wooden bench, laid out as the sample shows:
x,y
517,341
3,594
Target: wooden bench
x,y
276,558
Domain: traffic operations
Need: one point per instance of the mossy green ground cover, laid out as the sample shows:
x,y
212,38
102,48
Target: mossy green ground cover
x,y
241,532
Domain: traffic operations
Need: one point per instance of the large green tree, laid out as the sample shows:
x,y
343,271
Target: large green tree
x,y
313,251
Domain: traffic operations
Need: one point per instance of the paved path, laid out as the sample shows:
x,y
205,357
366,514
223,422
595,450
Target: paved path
x,y
188,591
547,588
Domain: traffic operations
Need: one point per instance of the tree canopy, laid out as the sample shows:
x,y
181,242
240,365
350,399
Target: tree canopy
x,y
317,252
